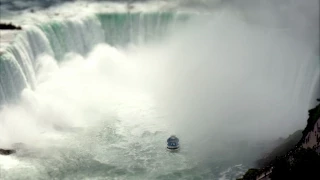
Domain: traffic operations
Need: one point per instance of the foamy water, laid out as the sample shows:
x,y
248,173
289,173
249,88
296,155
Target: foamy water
x,y
95,95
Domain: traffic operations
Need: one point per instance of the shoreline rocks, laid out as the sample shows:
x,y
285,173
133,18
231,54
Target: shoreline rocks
x,y
10,26
7,151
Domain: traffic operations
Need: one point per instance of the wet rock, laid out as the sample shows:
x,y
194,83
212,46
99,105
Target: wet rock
x,y
6,151
4,26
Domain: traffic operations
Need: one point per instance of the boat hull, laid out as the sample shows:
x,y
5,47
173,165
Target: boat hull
x,y
175,148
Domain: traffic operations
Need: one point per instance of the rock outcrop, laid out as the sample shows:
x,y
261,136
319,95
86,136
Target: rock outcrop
x,y
6,151
4,26
281,150
299,162
311,134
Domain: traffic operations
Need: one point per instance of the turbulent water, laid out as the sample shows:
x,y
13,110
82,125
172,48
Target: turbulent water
x,y
95,95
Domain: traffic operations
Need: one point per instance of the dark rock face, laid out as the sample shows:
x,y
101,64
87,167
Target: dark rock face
x,y
251,174
6,151
314,115
9,26
302,164
281,150
299,162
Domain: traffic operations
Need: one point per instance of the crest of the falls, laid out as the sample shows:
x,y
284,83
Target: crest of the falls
x,y
78,35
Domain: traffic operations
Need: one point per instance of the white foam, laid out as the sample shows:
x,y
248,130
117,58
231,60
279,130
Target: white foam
x,y
8,162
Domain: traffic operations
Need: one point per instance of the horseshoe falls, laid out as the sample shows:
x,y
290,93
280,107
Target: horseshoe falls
x,y
93,89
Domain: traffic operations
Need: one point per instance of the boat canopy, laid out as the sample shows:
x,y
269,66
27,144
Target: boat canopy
x,y
173,139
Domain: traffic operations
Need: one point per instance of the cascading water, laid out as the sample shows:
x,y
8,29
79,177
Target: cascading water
x,y
95,97
57,38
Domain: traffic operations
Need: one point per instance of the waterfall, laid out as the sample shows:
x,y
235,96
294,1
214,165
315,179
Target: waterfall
x,y
18,65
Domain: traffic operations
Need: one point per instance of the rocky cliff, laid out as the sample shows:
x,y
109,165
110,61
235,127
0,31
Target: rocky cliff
x,y
311,134
301,159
